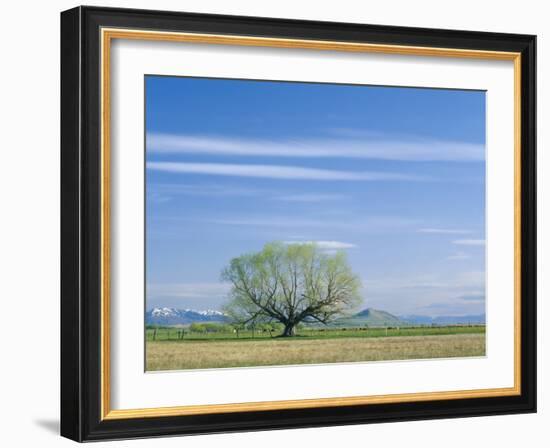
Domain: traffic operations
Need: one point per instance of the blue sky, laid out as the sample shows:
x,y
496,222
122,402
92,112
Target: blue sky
x,y
393,176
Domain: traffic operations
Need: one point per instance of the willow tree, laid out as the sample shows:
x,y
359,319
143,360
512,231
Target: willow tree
x,y
290,284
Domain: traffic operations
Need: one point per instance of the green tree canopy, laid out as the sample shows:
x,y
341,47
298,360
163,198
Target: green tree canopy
x,y
290,284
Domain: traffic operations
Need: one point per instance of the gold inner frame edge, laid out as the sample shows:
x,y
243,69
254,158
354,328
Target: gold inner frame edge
x,y
107,35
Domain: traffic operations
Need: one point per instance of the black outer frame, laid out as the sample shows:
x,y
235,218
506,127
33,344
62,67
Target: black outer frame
x,y
80,224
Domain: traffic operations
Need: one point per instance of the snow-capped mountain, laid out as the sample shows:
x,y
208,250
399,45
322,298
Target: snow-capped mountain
x,y
175,316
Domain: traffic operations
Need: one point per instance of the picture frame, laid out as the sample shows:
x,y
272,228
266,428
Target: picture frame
x,y
87,35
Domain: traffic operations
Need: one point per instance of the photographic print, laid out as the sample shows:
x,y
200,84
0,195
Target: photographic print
x,y
252,201
297,223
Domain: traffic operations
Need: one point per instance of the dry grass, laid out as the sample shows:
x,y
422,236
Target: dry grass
x,y
213,354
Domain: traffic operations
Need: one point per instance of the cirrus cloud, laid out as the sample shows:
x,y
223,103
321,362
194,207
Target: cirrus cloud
x,y
411,149
279,172
444,231
328,245
469,242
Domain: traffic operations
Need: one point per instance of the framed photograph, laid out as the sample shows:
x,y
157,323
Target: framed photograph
x,y
274,223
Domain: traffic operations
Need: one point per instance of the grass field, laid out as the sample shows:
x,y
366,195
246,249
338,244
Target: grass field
x,y
312,347
184,335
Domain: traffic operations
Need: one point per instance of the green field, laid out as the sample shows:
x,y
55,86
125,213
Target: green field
x,y
183,334
178,348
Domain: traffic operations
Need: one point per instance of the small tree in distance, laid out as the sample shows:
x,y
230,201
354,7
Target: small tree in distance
x,y
290,284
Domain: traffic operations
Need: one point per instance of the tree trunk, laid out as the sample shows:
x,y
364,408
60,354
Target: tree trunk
x,y
290,330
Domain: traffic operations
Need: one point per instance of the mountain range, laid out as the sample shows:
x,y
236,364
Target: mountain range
x,y
176,316
444,320
377,318
367,317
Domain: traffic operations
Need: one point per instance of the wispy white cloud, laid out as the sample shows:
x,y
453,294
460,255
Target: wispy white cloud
x,y
474,297
277,222
445,231
412,149
160,192
452,308
328,245
157,198
459,256
310,197
187,290
201,190
469,242
365,223
278,172
467,282
354,133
